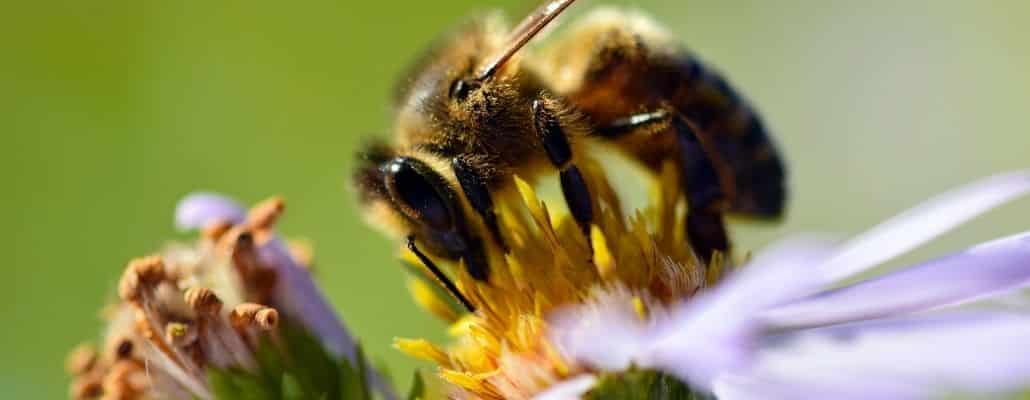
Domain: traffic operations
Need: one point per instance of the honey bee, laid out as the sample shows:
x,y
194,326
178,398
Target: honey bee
x,y
479,108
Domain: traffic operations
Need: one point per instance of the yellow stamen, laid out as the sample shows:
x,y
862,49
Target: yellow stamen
x,y
640,308
426,297
602,256
422,349
461,326
518,273
473,382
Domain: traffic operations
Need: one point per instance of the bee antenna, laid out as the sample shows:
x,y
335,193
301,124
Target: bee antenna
x,y
451,287
523,33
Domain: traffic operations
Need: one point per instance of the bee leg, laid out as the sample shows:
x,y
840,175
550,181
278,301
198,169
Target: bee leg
x,y
478,195
556,145
706,199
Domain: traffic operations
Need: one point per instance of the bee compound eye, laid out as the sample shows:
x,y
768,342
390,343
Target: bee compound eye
x,y
419,192
461,88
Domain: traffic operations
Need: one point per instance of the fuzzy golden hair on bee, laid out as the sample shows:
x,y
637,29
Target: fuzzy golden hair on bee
x,y
608,30
367,177
371,192
454,52
479,108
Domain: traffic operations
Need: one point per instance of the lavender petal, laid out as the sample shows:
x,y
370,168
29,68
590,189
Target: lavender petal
x,y
714,333
703,337
298,296
988,269
606,333
197,210
924,222
570,389
910,358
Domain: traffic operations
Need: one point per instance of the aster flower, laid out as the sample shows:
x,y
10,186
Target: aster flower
x,y
503,351
783,327
638,313
234,315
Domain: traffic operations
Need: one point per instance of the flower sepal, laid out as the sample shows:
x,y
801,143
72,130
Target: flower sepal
x,y
638,383
293,365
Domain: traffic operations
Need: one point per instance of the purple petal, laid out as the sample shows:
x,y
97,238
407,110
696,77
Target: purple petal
x,y
924,222
570,389
984,270
606,333
197,210
913,358
714,333
297,295
704,336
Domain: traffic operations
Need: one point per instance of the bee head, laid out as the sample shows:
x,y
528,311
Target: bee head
x,y
467,87
406,196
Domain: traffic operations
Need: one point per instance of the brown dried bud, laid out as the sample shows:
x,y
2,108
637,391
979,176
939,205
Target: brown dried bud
x,y
141,272
203,301
86,387
244,254
267,319
129,286
264,215
151,270
120,348
228,239
215,230
125,380
247,314
81,359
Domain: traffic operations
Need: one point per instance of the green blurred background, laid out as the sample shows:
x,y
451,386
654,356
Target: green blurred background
x,y
112,110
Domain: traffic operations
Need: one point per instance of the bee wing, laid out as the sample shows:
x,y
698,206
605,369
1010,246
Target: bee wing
x,y
523,33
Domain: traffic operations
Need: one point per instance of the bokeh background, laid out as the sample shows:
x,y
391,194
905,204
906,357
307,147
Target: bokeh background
x,y
112,110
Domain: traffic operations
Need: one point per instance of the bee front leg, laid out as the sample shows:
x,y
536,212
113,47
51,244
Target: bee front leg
x,y
440,276
556,144
478,194
706,199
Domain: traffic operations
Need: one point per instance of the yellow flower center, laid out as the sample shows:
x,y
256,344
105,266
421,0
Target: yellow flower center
x,y
501,350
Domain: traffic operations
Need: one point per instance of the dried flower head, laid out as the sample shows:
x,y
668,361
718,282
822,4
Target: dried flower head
x,y
197,320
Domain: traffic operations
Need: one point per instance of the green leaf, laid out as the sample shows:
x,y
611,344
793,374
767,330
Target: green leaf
x,y
254,387
291,388
309,363
362,383
232,384
294,367
418,388
349,378
222,385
